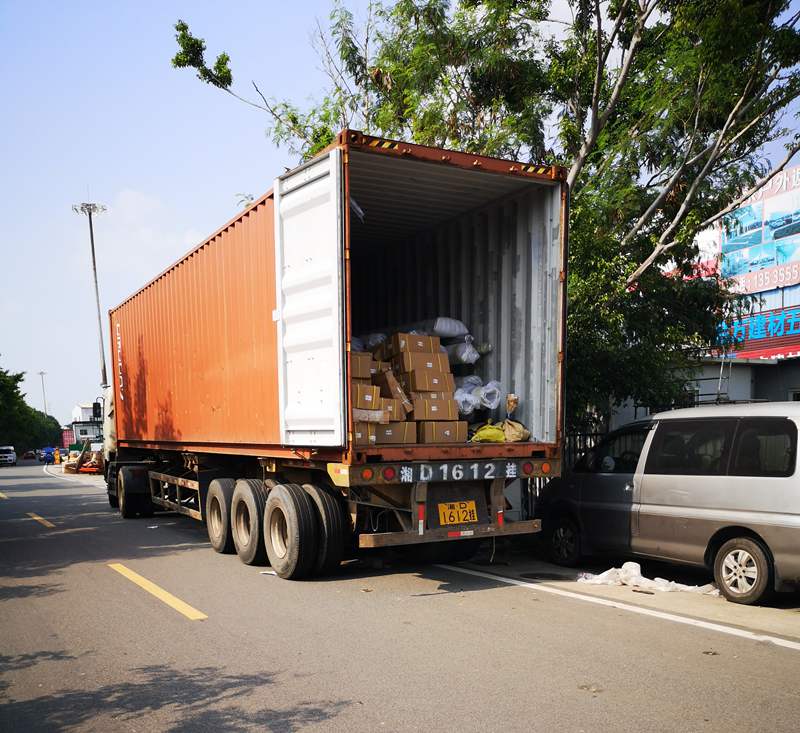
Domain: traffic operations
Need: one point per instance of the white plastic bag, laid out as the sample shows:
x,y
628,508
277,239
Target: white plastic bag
x,y
463,352
631,574
467,402
469,382
443,327
490,395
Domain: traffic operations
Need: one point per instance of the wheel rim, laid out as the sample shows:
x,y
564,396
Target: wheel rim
x,y
564,542
121,495
278,532
215,517
243,522
739,571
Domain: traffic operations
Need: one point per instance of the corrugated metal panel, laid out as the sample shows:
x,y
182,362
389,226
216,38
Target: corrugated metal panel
x,y
196,347
495,266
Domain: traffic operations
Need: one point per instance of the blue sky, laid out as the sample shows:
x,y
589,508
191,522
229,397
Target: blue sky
x,y
93,102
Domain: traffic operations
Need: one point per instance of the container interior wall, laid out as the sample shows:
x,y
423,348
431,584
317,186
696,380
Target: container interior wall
x,y
489,255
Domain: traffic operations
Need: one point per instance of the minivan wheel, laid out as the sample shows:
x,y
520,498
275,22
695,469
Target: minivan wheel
x,y
564,542
743,570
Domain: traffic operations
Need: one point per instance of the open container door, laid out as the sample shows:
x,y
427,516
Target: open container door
x,y
309,234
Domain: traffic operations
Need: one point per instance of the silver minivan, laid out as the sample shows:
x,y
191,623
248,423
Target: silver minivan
x,y
711,486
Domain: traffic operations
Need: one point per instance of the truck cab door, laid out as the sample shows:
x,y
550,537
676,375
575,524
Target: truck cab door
x,y
309,272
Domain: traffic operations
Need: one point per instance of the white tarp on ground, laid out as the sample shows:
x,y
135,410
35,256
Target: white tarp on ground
x,y
631,574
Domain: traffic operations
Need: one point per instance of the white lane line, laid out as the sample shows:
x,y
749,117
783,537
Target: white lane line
x,y
55,475
663,615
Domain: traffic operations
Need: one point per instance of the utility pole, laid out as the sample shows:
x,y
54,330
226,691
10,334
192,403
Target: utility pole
x,y
44,394
90,210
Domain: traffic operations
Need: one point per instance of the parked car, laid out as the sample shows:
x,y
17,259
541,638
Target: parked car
x,y
8,456
28,455
712,486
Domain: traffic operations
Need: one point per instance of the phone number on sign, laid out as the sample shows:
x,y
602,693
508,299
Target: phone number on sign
x,y
772,277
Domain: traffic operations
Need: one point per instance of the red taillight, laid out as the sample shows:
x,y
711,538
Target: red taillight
x,y
545,468
388,473
367,474
527,468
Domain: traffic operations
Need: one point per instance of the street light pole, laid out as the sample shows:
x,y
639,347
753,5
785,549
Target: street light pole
x,y
44,394
89,210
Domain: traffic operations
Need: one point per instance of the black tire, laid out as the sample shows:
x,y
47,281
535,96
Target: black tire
x,y
743,571
247,519
126,501
218,514
330,520
564,541
113,501
291,533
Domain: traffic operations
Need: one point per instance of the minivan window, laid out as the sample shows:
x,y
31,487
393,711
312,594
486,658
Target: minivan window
x,y
691,447
618,453
765,447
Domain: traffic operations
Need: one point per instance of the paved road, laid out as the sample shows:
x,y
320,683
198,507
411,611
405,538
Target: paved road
x,y
83,647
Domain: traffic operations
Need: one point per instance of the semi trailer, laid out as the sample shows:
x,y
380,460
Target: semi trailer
x,y
232,401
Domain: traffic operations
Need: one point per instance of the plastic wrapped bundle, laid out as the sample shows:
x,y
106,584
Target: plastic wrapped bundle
x,y
372,340
489,395
467,402
463,352
443,327
356,344
469,382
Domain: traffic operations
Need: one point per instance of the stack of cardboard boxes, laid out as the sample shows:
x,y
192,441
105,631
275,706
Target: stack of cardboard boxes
x,y
407,386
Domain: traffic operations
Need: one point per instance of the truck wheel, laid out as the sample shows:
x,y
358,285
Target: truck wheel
x,y
330,546
743,571
113,501
218,514
125,500
247,515
564,541
290,531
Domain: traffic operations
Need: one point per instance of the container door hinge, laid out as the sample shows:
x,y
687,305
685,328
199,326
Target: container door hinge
x,y
560,357
562,275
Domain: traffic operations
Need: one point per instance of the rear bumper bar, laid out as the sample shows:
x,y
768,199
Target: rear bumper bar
x,y
482,531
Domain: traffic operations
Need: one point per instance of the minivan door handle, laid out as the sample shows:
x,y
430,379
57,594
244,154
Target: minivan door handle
x,y
629,486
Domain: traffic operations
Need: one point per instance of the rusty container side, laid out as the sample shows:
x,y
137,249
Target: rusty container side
x,y
195,360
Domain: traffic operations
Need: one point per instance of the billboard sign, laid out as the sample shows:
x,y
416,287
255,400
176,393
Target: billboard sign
x,y
758,244
770,334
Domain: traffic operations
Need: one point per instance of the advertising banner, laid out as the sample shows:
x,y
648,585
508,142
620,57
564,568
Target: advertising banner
x,y
771,334
759,243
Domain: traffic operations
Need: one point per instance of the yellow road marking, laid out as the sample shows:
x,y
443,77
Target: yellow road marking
x,y
3,496
41,520
191,613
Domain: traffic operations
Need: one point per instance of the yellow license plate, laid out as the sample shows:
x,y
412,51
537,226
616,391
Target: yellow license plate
x,y
457,512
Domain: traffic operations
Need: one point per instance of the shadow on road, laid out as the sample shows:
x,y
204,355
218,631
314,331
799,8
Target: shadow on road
x,y
87,530
200,699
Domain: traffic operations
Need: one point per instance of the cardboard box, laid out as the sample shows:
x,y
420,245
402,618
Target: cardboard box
x,y
396,432
390,387
365,397
393,408
431,396
360,364
412,342
425,380
363,433
362,382
378,366
371,416
425,409
408,361
442,432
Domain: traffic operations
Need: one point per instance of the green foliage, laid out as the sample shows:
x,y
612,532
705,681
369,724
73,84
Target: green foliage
x,y
660,109
22,426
